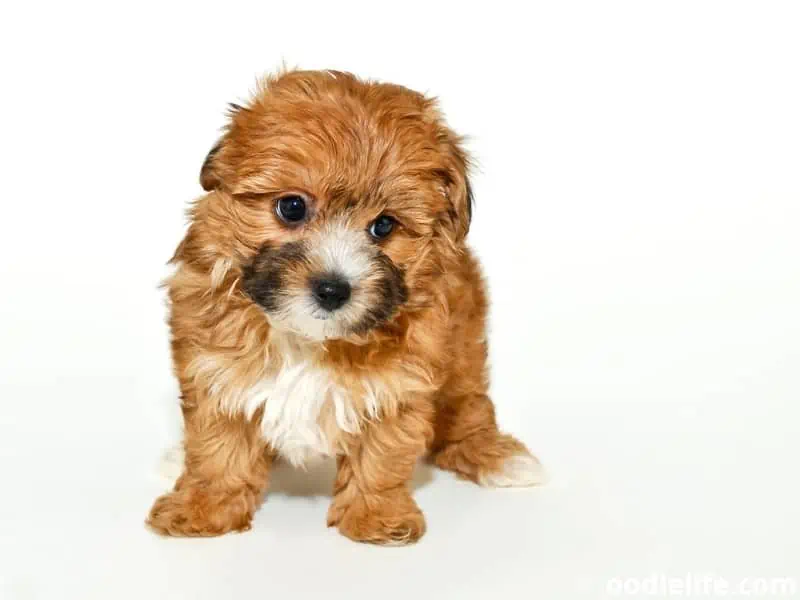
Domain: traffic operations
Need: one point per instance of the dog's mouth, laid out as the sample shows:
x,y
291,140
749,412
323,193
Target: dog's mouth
x,y
333,285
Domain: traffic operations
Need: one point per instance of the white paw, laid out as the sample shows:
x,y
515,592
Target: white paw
x,y
520,470
171,464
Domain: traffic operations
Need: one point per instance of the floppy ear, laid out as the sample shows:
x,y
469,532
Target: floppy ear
x,y
212,169
457,186
210,177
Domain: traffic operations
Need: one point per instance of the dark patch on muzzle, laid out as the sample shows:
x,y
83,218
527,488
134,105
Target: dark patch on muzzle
x,y
392,294
263,278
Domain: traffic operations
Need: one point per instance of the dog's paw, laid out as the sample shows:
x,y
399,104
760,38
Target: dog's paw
x,y
199,513
394,521
519,470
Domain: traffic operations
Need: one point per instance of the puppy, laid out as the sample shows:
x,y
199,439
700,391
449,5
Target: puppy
x,y
324,303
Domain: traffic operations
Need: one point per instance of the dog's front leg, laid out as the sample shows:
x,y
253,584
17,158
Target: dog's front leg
x,y
224,477
372,501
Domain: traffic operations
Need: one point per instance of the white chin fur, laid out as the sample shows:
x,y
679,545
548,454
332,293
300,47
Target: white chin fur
x,y
171,464
303,317
520,470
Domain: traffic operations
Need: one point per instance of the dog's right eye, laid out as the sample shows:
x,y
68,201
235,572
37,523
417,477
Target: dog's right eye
x,y
291,209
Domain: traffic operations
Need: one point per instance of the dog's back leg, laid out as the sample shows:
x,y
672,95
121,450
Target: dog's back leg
x,y
469,443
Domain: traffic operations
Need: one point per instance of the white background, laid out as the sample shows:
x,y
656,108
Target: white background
x,y
638,209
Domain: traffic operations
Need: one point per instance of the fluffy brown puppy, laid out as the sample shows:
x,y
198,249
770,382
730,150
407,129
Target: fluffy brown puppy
x,y
324,303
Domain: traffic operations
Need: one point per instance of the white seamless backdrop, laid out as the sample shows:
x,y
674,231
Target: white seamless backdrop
x,y
638,209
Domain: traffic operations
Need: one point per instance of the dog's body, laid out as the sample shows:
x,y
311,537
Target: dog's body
x,y
324,303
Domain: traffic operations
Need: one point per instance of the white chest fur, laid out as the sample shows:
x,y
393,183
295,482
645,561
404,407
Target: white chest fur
x,y
294,398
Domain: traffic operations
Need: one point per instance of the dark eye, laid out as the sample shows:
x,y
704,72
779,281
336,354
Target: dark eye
x,y
291,209
382,227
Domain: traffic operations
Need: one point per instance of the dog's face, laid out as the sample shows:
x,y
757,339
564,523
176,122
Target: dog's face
x,y
341,199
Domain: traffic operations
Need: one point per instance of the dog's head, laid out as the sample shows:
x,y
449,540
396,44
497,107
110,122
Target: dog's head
x,y
339,200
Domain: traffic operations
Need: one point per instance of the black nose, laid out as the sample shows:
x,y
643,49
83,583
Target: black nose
x,y
330,292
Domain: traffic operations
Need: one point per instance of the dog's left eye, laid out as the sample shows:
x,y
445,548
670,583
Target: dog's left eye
x,y
382,227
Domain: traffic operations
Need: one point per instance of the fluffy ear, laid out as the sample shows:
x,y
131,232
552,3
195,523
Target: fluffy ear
x,y
457,186
211,172
210,177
